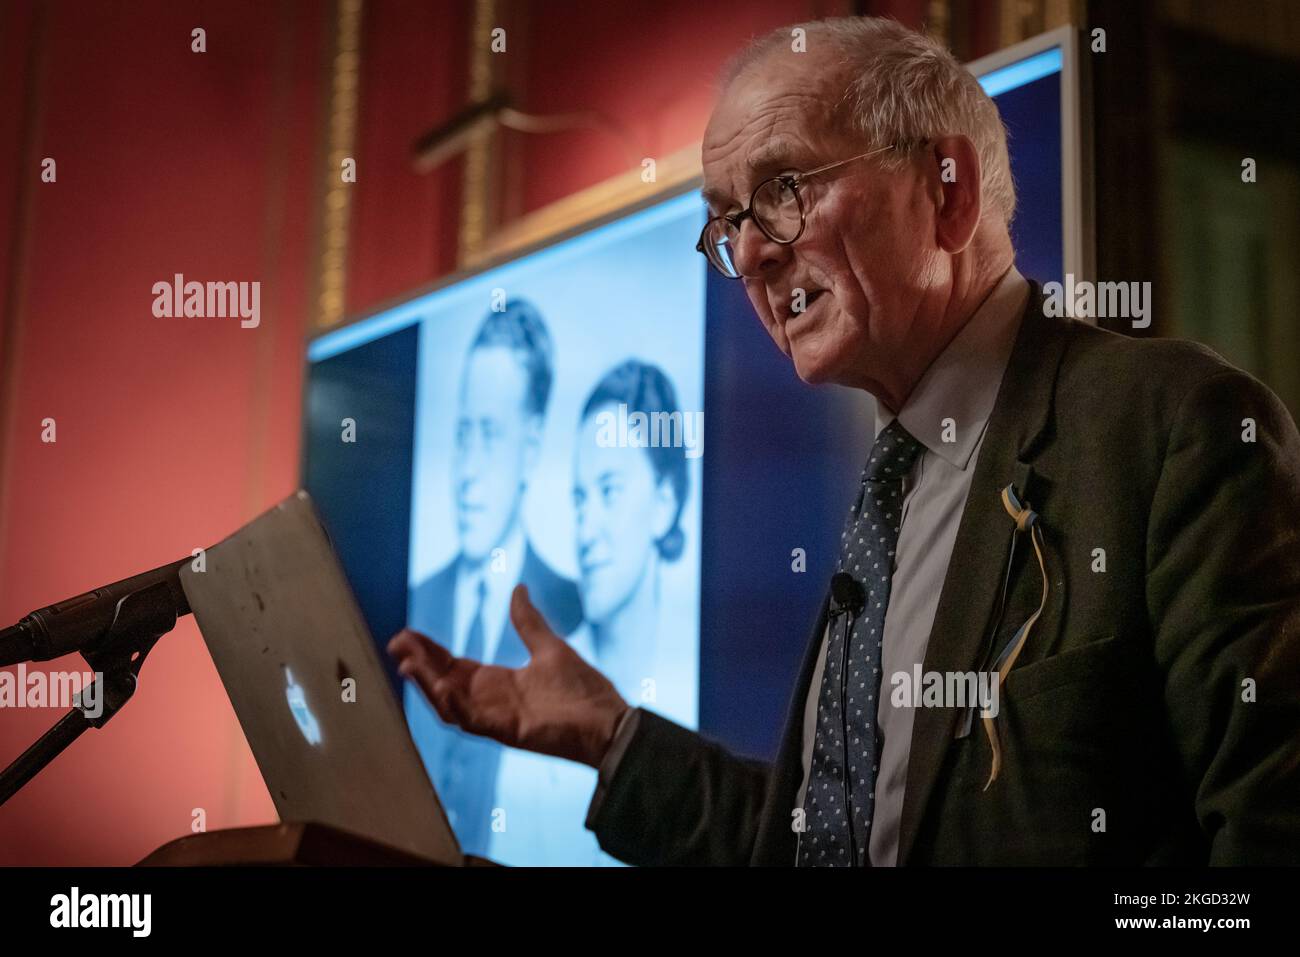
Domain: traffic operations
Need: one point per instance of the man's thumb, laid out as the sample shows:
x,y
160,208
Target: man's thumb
x,y
528,621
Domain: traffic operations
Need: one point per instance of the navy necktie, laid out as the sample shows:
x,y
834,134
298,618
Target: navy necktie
x,y
846,750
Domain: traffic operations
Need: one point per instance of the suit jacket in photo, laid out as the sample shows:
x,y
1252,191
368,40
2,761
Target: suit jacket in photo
x,y
464,767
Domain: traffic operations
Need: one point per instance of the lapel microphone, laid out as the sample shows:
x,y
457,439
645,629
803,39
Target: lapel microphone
x,y
846,594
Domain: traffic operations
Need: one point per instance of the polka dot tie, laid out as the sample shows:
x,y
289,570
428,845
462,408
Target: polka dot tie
x,y
847,731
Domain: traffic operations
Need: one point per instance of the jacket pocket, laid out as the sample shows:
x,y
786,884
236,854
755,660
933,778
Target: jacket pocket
x,y
1069,753
1100,661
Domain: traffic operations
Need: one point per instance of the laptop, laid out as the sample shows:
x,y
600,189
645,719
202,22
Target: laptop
x,y
304,676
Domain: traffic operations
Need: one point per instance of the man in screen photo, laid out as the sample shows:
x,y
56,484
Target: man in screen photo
x,y
505,387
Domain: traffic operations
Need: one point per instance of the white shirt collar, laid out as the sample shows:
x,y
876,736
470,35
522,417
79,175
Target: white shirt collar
x,y
962,382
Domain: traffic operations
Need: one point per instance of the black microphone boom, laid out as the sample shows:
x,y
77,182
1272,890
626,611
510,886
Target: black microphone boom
x,y
79,623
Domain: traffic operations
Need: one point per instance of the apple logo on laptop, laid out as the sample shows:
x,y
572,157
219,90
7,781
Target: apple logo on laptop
x,y
307,722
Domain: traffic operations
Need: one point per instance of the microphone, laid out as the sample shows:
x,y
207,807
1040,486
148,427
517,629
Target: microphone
x,y
79,623
847,594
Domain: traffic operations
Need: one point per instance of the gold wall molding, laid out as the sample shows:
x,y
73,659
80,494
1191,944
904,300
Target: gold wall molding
x,y
340,142
13,316
589,205
1022,19
480,166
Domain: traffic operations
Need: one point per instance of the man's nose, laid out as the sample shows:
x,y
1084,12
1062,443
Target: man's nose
x,y
589,527
469,465
755,252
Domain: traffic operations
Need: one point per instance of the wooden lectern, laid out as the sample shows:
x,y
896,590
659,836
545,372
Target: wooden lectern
x,y
298,844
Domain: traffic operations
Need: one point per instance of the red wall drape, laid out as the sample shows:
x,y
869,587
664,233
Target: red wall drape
x,y
173,432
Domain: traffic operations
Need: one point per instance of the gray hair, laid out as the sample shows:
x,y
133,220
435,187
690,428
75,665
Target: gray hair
x,y
899,87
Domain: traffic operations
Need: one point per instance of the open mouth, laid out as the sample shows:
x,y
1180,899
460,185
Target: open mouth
x,y
808,303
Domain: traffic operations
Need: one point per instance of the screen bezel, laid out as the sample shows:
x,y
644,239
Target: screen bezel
x,y
659,195
1078,240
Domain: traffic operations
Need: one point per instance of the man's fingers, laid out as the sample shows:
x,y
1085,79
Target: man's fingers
x,y
465,693
482,699
430,666
447,701
447,692
528,621
410,644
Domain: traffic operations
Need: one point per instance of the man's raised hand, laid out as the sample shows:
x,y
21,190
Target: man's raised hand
x,y
557,704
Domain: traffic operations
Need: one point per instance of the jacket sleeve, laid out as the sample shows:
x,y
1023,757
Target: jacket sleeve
x,y
676,798
1223,594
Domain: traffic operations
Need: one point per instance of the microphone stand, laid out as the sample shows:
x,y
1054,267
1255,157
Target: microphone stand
x,y
141,618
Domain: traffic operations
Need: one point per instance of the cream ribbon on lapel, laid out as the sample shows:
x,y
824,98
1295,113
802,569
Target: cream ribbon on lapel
x,y
1026,520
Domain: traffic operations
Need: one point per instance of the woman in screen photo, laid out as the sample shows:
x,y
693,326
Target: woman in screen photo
x,y
628,495
629,489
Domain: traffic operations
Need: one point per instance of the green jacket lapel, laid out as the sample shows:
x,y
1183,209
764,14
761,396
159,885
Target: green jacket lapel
x,y
1020,416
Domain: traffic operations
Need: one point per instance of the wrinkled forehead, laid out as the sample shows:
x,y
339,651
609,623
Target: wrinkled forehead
x,y
774,116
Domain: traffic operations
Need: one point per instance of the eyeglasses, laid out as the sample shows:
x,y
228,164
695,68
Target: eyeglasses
x,y
776,208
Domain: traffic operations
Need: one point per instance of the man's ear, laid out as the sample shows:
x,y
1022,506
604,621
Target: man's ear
x,y
955,174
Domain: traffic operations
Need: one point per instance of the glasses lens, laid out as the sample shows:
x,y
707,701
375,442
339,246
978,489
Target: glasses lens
x,y
718,248
776,207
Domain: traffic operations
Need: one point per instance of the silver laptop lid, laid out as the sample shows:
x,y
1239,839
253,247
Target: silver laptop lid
x,y
304,676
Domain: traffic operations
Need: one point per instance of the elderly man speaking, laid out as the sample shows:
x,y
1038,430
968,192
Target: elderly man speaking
x,y
1104,527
